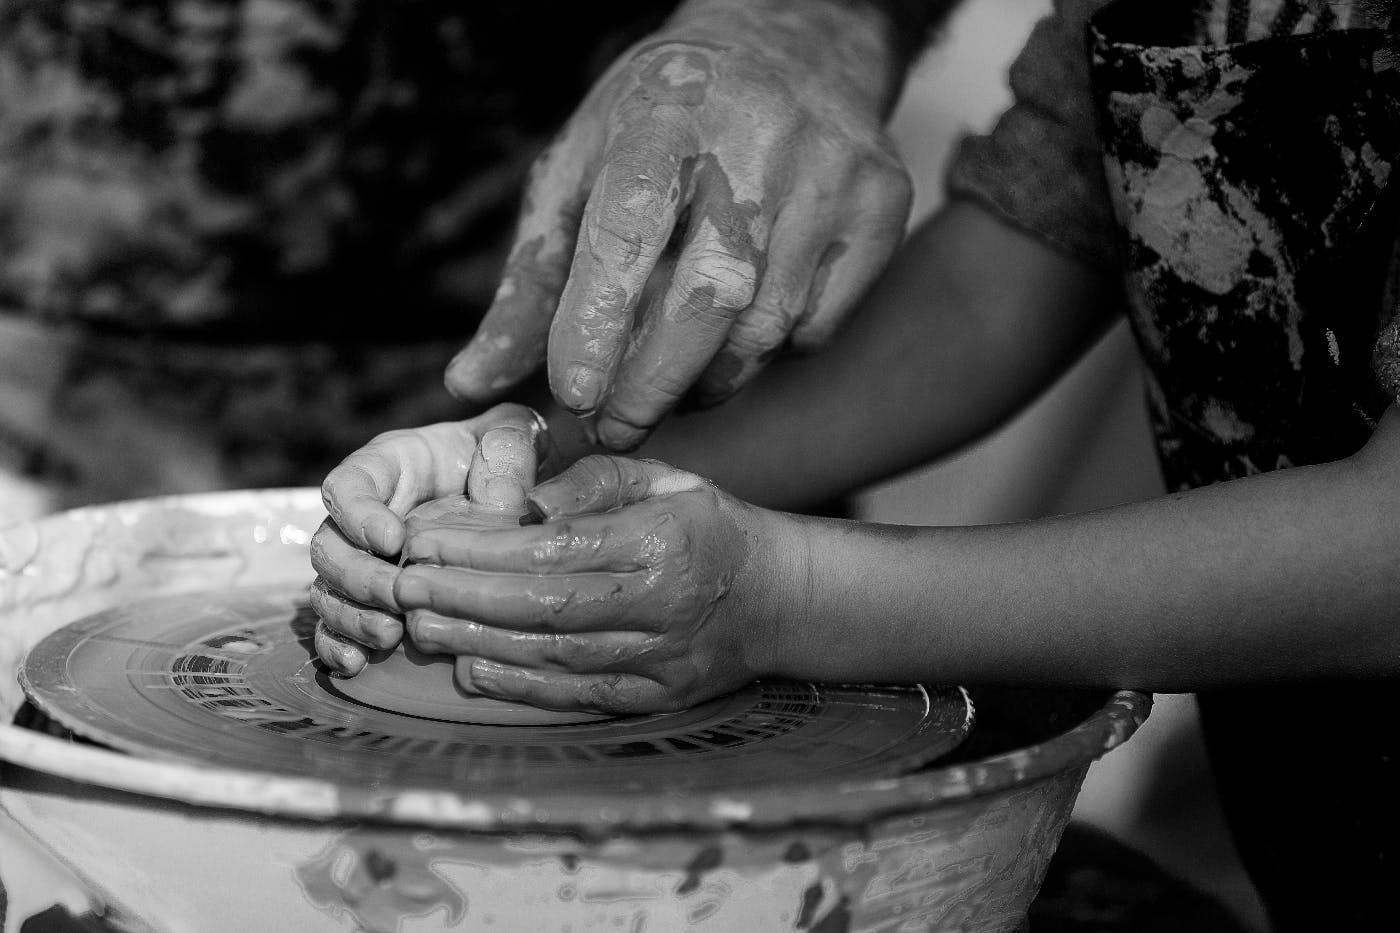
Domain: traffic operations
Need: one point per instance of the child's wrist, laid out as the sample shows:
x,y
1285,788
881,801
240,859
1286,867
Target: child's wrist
x,y
781,595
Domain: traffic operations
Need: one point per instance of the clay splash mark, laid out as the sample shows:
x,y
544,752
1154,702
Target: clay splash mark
x,y
836,920
797,852
379,880
707,859
807,909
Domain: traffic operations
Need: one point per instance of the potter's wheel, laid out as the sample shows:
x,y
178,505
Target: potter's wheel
x,y
228,679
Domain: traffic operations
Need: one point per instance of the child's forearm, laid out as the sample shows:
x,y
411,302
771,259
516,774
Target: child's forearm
x,y
1285,576
970,323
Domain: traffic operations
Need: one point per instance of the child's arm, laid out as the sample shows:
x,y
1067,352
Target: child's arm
x,y
651,589
971,322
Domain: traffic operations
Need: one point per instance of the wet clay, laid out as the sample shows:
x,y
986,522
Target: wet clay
x,y
415,683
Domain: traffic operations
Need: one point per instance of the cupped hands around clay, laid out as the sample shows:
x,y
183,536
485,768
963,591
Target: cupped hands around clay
x,y
647,589
494,456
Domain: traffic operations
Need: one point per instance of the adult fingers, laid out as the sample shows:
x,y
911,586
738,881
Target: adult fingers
x,y
354,573
598,484
581,602
619,694
779,304
626,225
594,653
510,342
366,625
849,266
714,281
339,653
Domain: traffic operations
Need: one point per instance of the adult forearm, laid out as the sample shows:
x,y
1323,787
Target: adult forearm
x,y
1280,577
871,42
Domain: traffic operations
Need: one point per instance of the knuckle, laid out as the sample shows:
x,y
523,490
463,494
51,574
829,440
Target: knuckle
x,y
608,694
764,333
562,650
782,297
721,287
634,235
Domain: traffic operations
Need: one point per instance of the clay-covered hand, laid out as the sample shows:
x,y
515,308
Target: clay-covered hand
x,y
728,185
370,495
645,589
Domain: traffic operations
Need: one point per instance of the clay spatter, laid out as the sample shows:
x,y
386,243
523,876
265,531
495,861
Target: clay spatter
x,y
1250,183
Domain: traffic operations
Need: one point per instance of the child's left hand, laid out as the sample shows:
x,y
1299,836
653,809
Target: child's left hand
x,y
369,496
646,589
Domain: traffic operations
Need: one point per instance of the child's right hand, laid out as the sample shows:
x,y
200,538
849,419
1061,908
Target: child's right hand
x,y
645,589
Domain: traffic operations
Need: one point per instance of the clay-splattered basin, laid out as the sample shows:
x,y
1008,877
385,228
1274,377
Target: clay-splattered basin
x,y
172,847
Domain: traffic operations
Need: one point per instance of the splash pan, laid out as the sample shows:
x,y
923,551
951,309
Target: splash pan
x,y
173,633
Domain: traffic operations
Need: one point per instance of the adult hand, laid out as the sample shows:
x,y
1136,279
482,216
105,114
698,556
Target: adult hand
x,y
725,188
646,589
369,496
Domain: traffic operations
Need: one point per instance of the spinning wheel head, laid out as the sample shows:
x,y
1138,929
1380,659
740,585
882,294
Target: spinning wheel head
x,y
229,679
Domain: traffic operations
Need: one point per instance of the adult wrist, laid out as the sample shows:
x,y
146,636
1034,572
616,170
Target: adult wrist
x,y
849,44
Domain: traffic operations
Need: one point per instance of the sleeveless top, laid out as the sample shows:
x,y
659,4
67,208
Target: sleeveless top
x,y
1250,175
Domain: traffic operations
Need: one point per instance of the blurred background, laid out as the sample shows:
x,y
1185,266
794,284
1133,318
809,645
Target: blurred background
x,y
69,403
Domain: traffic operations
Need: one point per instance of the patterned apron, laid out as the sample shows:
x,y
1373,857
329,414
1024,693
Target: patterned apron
x,y
1250,181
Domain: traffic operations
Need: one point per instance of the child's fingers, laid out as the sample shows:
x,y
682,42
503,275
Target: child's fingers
x,y
357,574
619,694
596,652
353,498
582,602
372,489
339,653
616,542
598,484
502,468
364,624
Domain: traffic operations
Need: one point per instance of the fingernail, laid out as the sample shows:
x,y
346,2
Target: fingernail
x,y
618,436
583,385
502,447
386,632
347,661
428,633
376,533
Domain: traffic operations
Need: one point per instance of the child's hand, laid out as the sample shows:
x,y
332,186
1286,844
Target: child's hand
x,y
369,496
646,589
